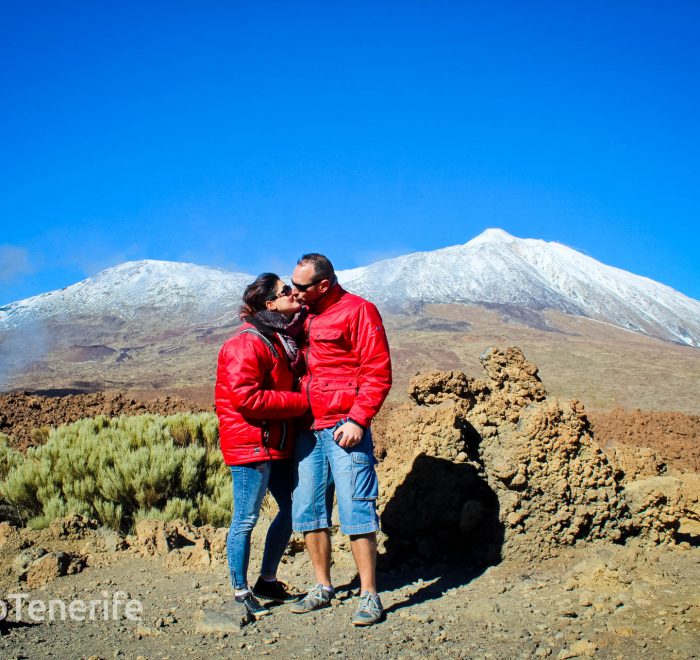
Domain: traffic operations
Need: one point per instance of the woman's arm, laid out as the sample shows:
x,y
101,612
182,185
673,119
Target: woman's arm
x,y
244,364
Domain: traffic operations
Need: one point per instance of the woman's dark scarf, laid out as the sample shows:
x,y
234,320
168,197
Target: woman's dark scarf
x,y
289,332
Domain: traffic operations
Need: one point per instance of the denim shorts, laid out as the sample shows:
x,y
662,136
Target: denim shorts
x,y
322,466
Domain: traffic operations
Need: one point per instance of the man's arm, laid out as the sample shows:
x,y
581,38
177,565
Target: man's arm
x,y
370,345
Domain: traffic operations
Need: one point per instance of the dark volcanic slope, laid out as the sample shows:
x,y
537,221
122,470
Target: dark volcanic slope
x,y
22,414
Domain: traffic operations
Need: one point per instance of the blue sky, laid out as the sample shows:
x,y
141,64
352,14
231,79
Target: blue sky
x,y
241,134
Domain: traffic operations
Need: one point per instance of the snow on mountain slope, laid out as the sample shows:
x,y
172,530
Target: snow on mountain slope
x,y
184,291
499,269
494,268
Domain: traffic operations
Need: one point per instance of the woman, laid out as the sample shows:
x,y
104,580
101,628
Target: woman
x,y
256,373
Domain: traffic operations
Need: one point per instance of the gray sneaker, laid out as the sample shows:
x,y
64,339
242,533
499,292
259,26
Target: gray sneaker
x,y
369,610
317,598
252,605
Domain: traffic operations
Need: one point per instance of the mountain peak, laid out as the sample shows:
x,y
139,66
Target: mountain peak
x,y
492,235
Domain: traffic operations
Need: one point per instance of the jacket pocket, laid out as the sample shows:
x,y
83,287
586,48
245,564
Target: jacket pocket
x,y
338,394
364,478
328,334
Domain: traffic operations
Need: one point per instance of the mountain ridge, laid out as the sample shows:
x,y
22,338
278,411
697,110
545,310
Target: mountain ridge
x,y
493,268
497,268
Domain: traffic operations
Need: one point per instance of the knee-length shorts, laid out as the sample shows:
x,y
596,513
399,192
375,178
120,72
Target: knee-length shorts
x,y
322,467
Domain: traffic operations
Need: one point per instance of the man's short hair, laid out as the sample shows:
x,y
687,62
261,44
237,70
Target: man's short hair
x,y
323,268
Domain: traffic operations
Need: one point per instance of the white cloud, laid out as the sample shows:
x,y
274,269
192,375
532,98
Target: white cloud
x,y
371,256
14,262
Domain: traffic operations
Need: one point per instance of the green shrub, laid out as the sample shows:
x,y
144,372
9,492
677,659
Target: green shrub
x,y
39,435
9,458
121,470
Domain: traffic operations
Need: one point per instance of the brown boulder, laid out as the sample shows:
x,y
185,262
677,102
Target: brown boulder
x,y
53,565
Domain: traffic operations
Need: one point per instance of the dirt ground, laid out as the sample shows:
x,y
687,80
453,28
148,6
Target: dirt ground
x,y
594,600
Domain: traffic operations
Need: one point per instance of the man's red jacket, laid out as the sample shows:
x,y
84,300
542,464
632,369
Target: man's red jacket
x,y
254,401
348,367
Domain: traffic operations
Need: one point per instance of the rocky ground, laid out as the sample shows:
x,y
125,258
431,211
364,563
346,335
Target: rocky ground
x,y
509,530
599,600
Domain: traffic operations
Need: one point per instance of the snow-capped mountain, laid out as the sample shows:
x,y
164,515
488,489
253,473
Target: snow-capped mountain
x,y
494,268
187,292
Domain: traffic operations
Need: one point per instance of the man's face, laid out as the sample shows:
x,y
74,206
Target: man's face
x,y
304,275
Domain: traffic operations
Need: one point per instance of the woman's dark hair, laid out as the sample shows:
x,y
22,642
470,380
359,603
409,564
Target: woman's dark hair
x,y
258,293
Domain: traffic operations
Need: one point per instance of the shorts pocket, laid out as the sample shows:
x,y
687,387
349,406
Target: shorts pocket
x,y
364,478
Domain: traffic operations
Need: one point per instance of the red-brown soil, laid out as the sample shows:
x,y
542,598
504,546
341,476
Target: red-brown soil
x,y
674,437
25,417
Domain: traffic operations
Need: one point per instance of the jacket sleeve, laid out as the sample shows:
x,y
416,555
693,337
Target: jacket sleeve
x,y
244,364
374,372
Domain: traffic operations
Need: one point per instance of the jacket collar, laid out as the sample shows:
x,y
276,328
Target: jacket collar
x,y
334,294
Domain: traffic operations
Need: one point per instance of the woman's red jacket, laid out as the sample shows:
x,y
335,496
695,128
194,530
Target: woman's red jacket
x,y
254,399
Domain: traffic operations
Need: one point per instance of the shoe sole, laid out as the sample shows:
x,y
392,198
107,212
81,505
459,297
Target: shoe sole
x,y
289,601
259,615
366,623
315,609
360,622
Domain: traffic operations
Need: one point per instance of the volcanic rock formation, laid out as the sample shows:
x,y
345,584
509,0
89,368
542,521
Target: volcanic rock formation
x,y
494,464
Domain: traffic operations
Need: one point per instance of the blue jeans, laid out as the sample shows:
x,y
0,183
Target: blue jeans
x,y
322,465
250,481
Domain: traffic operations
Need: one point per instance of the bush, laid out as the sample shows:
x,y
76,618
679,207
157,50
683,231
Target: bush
x,y
39,435
121,470
9,458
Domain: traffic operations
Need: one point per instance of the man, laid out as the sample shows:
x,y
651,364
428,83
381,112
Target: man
x,y
348,377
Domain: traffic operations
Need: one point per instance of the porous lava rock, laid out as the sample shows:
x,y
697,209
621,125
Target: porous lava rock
x,y
494,464
182,545
666,506
52,565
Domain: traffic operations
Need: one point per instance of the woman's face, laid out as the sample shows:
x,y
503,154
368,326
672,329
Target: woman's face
x,y
285,302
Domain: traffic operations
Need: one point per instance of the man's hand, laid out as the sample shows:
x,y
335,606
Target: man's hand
x,y
351,435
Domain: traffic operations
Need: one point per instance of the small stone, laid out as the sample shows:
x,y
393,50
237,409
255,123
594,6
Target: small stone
x,y
212,621
144,631
584,647
565,654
